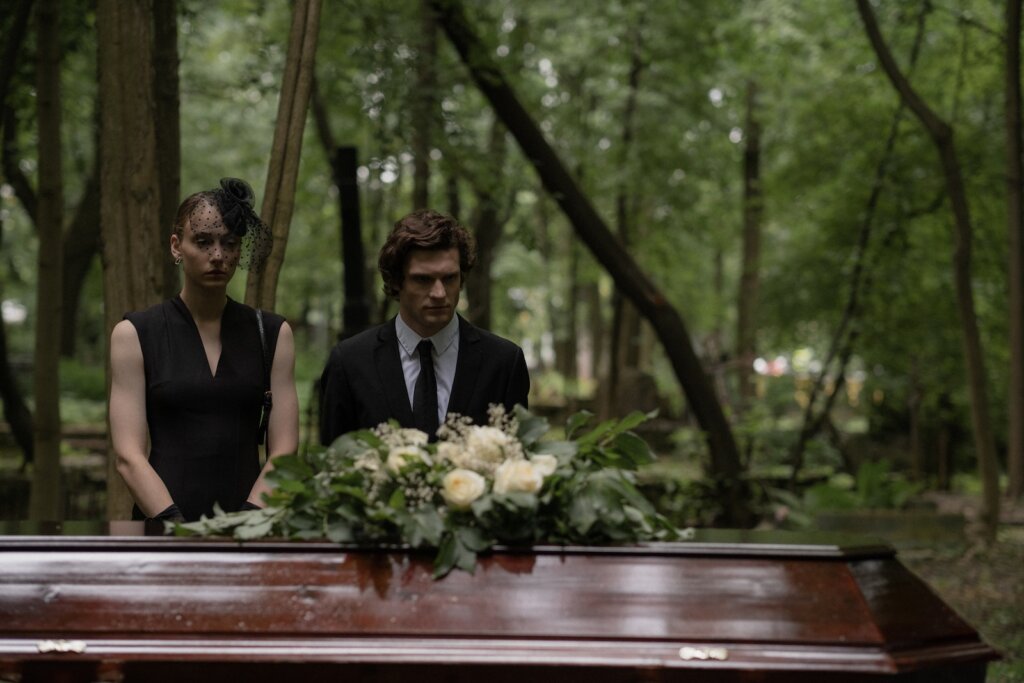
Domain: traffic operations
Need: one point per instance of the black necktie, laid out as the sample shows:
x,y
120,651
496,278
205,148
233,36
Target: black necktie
x,y
424,396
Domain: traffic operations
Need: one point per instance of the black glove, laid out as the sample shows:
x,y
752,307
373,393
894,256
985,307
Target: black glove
x,y
171,514
246,506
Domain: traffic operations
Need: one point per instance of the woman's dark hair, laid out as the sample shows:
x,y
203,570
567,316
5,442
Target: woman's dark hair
x,y
190,204
422,229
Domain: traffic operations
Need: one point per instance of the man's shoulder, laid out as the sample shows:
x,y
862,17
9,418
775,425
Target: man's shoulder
x,y
493,342
363,341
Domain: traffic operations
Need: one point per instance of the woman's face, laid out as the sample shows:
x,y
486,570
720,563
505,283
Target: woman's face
x,y
209,251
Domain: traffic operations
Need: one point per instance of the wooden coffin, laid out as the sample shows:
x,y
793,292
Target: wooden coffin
x,y
728,606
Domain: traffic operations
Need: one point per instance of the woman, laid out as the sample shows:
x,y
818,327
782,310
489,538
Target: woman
x,y
190,373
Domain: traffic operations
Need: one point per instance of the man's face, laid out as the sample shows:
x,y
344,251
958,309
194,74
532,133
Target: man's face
x,y
430,289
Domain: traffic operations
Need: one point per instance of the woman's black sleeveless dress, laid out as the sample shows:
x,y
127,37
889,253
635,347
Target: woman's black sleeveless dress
x,y
203,426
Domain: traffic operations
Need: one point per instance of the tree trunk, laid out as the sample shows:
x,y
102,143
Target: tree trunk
x,y
133,248
12,164
753,208
424,98
842,343
628,277
942,136
486,225
1015,228
283,169
625,340
591,293
81,245
12,42
915,398
356,312
570,354
168,126
451,186
46,500
16,412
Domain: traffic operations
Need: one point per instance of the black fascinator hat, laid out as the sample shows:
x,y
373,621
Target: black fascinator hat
x,y
236,202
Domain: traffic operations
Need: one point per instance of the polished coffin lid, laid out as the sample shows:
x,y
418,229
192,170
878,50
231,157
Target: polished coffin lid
x,y
725,601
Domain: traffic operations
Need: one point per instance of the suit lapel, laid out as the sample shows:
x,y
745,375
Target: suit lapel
x,y
467,368
392,378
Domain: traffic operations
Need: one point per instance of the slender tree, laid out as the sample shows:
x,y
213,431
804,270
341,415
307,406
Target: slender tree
x,y
1015,230
46,499
753,208
486,221
841,346
168,124
81,247
941,134
355,312
424,104
16,412
286,150
12,41
625,341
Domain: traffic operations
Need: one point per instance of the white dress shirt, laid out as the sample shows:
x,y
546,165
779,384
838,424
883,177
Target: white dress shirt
x,y
445,353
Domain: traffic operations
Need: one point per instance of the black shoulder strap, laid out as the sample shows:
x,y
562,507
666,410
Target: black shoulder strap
x,y
268,396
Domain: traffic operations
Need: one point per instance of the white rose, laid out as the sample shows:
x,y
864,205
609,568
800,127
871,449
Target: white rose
x,y
515,476
403,456
545,464
462,487
487,444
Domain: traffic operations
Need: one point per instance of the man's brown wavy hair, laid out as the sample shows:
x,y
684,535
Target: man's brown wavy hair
x,y
422,229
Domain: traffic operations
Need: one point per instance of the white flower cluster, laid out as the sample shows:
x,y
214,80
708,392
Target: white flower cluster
x,y
403,450
480,453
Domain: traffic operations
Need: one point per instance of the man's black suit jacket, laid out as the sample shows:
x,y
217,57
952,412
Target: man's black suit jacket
x,y
363,383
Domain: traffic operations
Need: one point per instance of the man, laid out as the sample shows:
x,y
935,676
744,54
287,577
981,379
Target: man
x,y
426,362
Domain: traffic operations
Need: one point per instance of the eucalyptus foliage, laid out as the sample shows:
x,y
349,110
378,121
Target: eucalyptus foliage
x,y
389,487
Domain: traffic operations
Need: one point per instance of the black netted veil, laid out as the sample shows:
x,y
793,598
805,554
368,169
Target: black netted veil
x,y
235,201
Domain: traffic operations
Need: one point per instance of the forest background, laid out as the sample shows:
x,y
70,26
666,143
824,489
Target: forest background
x,y
828,193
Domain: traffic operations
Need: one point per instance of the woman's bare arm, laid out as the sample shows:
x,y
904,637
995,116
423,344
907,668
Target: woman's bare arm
x,y
127,413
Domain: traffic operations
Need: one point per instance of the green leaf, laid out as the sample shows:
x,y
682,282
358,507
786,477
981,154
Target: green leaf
x,y
351,491
424,528
291,486
583,512
593,436
576,422
397,500
473,539
531,427
635,449
340,532
444,561
290,467
258,529
634,419
563,450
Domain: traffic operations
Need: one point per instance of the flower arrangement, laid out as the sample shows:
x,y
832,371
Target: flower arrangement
x,y
477,486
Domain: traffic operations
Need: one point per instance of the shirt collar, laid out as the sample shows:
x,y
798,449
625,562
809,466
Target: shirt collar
x,y
441,341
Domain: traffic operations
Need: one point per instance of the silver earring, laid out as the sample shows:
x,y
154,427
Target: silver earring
x,y
177,261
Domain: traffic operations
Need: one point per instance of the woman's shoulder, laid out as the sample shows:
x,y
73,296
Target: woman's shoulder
x,y
147,315
270,319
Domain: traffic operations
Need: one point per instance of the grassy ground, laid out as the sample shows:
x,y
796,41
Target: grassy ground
x,y
986,587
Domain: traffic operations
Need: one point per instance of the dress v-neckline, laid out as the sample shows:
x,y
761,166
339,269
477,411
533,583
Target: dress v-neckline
x,y
211,370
